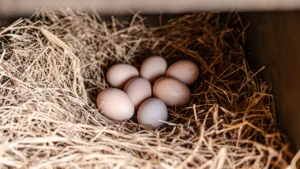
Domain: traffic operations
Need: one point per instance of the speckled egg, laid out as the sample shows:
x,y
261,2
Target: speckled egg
x,y
184,70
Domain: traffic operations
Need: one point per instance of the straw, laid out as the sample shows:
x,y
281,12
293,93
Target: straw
x,y
53,65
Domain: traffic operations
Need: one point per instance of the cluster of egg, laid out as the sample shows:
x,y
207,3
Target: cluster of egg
x,y
132,90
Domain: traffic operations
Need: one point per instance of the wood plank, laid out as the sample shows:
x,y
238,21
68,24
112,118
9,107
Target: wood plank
x,y
273,41
23,7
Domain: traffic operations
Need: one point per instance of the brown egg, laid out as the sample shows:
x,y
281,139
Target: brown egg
x,y
138,89
184,70
119,74
115,104
172,91
153,68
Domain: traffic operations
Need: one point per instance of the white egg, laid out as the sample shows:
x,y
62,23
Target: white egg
x,y
152,112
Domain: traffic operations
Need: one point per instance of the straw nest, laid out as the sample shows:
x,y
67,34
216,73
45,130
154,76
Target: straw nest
x,y
52,67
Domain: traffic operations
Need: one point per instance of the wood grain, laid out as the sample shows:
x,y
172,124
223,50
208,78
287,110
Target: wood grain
x,y
273,41
16,7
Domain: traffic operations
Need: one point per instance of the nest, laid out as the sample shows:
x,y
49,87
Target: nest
x,y
53,65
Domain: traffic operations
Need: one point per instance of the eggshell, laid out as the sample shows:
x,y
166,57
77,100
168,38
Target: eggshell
x,y
153,68
184,70
138,89
119,74
151,112
172,91
115,104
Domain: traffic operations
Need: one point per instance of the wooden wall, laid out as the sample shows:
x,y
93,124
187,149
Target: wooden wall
x,y
273,41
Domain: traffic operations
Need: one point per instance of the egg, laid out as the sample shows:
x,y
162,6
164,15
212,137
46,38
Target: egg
x,y
172,91
184,70
119,74
138,89
153,68
115,104
152,112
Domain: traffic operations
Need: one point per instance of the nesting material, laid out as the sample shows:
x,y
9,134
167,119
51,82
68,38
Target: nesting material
x,y
53,65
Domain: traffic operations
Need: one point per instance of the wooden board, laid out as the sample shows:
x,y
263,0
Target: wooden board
x,y
273,41
17,7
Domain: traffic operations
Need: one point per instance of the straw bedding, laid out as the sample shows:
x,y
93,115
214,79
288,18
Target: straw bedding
x,y
52,67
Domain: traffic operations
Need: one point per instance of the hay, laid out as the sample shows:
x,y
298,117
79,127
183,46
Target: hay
x,y
52,66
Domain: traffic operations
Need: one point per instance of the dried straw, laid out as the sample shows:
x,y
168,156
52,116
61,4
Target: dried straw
x,y
52,66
